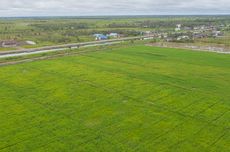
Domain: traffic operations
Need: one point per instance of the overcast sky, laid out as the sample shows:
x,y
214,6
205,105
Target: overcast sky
x,y
111,7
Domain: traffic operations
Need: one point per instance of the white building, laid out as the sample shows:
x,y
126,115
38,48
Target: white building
x,y
115,35
178,27
30,43
185,37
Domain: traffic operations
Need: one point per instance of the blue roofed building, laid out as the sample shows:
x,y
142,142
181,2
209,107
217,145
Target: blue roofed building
x,y
99,37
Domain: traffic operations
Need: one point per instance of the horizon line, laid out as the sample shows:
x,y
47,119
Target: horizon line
x,y
121,15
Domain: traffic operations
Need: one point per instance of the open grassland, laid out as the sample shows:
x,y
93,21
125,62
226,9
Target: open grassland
x,y
127,99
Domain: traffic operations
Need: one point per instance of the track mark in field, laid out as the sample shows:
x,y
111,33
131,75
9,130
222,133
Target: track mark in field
x,y
146,137
177,86
20,141
184,115
191,104
71,135
209,107
200,130
161,83
133,64
44,106
52,109
110,90
218,139
8,146
130,75
153,54
114,91
207,125
159,136
91,83
32,137
97,86
221,115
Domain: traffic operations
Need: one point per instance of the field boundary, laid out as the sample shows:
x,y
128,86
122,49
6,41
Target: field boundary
x,y
194,47
47,57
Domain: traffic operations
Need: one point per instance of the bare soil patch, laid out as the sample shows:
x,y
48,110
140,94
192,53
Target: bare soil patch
x,y
193,46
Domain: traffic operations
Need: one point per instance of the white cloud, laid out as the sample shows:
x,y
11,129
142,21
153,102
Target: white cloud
x,y
111,7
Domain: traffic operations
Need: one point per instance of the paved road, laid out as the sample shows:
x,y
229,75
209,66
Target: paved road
x,y
15,53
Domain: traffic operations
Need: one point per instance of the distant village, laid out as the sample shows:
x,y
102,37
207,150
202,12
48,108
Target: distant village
x,y
179,34
185,34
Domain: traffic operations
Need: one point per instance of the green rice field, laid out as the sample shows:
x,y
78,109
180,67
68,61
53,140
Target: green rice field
x,y
136,98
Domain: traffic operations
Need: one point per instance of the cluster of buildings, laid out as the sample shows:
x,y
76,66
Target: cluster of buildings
x,y
9,43
14,43
202,31
99,37
186,33
178,27
207,31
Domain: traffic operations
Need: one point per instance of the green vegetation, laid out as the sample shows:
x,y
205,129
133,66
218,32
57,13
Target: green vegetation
x,y
7,49
47,31
134,98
